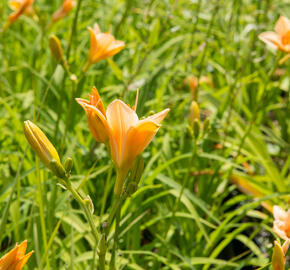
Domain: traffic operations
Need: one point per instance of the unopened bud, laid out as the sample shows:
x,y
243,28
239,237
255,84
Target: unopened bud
x,y
68,164
206,126
57,169
196,128
89,203
194,112
135,176
278,260
56,49
43,147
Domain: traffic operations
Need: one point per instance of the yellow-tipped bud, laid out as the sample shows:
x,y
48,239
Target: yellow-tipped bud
x,y
56,49
194,112
43,148
278,259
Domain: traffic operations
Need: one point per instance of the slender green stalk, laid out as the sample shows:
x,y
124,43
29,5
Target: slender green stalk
x,y
39,195
116,240
74,28
185,180
84,206
208,33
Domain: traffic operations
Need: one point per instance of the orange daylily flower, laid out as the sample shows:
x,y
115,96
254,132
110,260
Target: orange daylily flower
x,y
95,121
128,136
16,258
281,222
279,39
20,7
64,10
103,45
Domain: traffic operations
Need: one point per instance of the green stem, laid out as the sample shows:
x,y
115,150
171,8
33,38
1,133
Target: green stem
x,y
102,260
74,28
185,180
84,206
116,239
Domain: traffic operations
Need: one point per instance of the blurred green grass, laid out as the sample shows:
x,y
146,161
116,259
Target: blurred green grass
x,y
215,226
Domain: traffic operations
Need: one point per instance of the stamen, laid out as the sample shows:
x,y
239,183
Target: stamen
x,y
136,101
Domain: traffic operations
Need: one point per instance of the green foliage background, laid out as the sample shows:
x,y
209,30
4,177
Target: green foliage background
x,y
215,225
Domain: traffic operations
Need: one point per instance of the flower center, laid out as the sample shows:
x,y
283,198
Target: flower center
x,y
286,39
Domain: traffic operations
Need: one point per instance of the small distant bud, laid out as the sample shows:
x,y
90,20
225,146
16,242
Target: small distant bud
x,y
68,164
90,204
43,148
192,83
196,128
56,49
194,112
206,126
278,259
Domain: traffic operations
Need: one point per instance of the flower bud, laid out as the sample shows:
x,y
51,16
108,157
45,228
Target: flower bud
x,y
68,164
135,176
43,148
278,260
57,169
206,126
194,112
196,128
56,49
88,201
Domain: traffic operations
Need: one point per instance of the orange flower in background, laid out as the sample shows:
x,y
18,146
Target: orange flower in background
x,y
97,122
16,258
279,39
281,222
103,45
20,7
65,9
128,136
193,83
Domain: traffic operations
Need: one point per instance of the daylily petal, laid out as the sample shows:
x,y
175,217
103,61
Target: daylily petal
x,y
282,26
279,213
21,250
103,45
15,259
96,100
120,118
97,29
271,38
8,258
281,222
15,5
158,117
20,264
96,120
63,11
93,44
137,140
